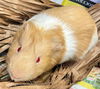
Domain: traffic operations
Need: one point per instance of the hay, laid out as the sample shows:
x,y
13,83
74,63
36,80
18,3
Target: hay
x,y
12,15
95,13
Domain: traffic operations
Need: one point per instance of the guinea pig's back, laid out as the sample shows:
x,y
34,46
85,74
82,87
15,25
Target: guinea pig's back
x,y
82,26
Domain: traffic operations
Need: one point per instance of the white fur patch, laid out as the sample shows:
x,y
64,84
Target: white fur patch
x,y
48,22
92,44
70,42
45,21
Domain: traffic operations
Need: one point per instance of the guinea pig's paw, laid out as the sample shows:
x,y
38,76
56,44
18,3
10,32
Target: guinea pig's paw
x,y
6,85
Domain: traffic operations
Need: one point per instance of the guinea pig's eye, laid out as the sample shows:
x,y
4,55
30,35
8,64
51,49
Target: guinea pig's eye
x,y
19,49
38,60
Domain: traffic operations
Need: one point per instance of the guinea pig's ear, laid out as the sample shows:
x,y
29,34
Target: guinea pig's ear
x,y
28,27
29,30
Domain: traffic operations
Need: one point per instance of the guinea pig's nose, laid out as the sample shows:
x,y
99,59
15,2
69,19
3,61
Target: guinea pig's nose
x,y
16,75
20,70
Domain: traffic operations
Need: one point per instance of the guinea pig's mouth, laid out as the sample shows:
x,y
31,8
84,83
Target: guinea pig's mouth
x,y
13,77
27,79
19,79
24,79
22,76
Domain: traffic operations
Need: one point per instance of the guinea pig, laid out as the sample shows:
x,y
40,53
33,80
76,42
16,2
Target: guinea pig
x,y
51,37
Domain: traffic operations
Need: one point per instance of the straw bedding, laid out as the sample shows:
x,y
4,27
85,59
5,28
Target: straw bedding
x,y
12,15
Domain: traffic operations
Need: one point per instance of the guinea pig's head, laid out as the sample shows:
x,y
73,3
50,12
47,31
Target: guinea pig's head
x,y
33,52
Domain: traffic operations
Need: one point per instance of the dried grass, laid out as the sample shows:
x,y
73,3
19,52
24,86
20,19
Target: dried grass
x,y
13,14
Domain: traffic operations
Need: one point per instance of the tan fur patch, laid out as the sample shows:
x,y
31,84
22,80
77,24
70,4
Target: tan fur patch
x,y
80,22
